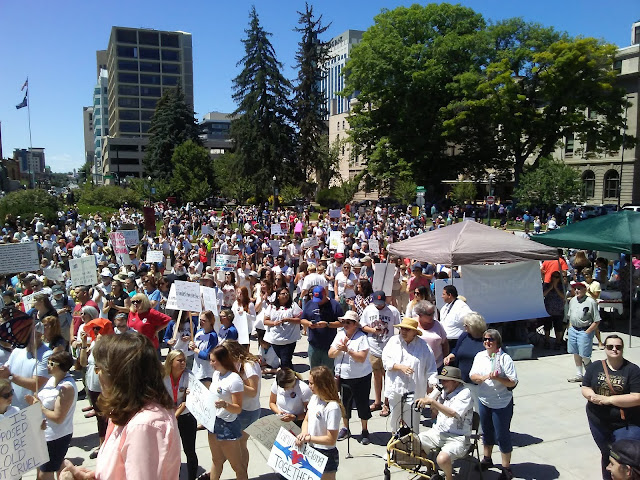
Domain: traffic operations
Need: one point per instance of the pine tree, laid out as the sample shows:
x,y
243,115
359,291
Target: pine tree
x,y
173,123
309,101
262,130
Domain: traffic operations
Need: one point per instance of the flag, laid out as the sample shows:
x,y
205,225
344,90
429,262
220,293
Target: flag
x,y
22,104
26,84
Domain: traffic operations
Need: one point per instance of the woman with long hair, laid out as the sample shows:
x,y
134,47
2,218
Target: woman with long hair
x,y
420,294
282,320
322,421
176,381
289,396
364,295
243,304
53,334
205,340
227,388
229,289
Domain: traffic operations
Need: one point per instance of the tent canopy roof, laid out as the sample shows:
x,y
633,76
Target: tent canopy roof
x,y
471,243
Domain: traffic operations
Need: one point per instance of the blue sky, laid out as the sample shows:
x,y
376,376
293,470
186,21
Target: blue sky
x,y
54,43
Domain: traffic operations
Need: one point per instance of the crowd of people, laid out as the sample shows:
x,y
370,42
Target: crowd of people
x,y
286,282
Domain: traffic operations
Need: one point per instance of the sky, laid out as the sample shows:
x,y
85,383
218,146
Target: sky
x,y
55,43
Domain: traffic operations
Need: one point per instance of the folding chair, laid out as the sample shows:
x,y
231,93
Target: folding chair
x,y
473,454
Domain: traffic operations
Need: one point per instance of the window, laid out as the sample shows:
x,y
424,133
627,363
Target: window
x,y
128,102
128,90
106,130
129,115
129,127
96,91
617,66
145,127
338,126
146,114
636,35
97,112
150,53
171,55
128,65
123,148
98,132
149,67
611,184
169,40
588,184
98,122
150,91
148,103
128,52
126,36
568,145
343,124
148,38
170,80
152,79
171,68
128,77
96,101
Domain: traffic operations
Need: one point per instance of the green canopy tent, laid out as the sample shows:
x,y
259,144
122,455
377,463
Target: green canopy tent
x,y
616,232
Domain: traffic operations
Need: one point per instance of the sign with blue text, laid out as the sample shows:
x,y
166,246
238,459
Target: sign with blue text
x,y
295,463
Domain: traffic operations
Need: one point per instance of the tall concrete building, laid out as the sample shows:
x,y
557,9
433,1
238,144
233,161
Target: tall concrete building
x,y
216,128
30,161
339,52
87,122
100,123
142,65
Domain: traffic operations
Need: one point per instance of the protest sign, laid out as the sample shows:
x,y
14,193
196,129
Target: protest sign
x,y
205,230
201,403
241,322
19,257
350,229
149,219
276,229
226,263
22,444
119,246
310,242
298,228
265,430
83,271
295,463
188,296
334,239
131,237
155,256
209,299
54,274
334,213
172,304
383,277
374,245
27,302
275,247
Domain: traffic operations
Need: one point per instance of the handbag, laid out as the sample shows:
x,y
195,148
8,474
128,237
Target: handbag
x,y
613,392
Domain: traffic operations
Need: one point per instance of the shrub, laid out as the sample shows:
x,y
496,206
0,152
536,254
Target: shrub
x,y
329,197
109,196
26,203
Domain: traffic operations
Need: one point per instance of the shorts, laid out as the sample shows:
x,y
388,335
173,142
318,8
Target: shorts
x,y
580,342
455,445
247,417
57,451
227,430
333,459
376,363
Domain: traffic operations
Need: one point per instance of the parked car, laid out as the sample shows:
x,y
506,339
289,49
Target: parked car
x,y
635,208
591,211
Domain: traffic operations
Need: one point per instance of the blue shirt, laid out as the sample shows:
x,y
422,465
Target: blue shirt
x,y
328,312
225,333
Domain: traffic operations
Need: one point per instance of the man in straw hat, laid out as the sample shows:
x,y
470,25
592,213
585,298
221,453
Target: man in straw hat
x,y
453,409
409,364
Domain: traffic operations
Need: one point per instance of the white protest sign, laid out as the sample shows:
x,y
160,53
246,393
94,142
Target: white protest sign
x,y
205,230
226,263
19,257
265,429
241,322
188,296
383,277
295,463
201,403
310,242
22,444
335,238
119,246
54,274
155,256
172,304
131,237
374,245
27,301
275,247
209,299
334,213
276,229
83,271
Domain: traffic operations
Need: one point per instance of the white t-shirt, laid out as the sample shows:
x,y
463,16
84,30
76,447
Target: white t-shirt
x,y
222,386
48,396
322,417
346,285
383,320
285,333
202,367
313,280
345,365
292,400
252,369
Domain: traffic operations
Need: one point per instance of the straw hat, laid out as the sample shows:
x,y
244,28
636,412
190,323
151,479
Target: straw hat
x,y
410,323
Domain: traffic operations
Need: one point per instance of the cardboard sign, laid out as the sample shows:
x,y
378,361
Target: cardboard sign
x,y
149,219
275,247
276,229
19,257
265,430
334,239
374,245
131,237
383,277
205,230
226,263
241,322
155,256
83,271
119,246
200,403
209,299
188,296
172,304
54,274
298,228
27,302
295,463
22,444
334,213
310,242
350,229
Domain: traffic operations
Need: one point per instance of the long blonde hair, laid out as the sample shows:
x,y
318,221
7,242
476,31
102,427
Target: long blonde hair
x,y
171,356
325,385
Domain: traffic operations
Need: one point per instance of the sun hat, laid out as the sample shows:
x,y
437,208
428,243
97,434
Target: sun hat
x,y
410,323
350,315
450,373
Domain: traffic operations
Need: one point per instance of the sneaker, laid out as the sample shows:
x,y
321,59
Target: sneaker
x,y
576,379
506,474
364,439
94,453
486,463
343,433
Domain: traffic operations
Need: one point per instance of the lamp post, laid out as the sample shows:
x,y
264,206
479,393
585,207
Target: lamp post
x,y
491,178
149,179
275,194
624,134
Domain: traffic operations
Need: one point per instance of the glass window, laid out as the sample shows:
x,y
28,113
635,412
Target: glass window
x,y
150,53
150,91
98,122
171,68
128,65
152,79
173,55
128,52
96,101
127,36
96,91
569,144
149,67
128,77
611,184
146,114
128,102
588,184
104,90
123,148
96,111
145,127
148,38
129,115
129,126
169,80
106,130
148,103
98,132
170,40
128,90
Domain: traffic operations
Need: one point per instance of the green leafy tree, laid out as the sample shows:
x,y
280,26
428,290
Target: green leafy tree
x,y
289,194
463,192
85,173
405,190
550,183
309,102
172,124
111,196
263,130
193,172
233,182
27,203
349,188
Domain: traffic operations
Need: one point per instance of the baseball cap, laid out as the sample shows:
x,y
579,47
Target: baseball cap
x,y
317,294
626,452
379,298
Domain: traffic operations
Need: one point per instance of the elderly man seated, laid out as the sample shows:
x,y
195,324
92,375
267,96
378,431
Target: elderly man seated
x,y
454,411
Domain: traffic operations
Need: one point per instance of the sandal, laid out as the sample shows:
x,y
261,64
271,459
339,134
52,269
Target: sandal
x,y
385,411
374,407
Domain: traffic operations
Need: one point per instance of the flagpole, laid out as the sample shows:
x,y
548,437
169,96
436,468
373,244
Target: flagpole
x,y
30,157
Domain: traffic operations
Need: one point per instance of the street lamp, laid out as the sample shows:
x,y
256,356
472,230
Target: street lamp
x,y
149,179
275,193
491,178
624,134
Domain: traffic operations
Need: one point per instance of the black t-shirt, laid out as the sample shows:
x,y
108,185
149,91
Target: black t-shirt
x,y
626,380
327,312
119,301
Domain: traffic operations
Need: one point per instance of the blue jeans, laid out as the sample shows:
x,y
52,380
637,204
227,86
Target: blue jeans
x,y
604,437
496,424
285,354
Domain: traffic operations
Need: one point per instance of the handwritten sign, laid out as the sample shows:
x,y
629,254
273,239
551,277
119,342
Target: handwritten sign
x,y
149,219
131,237
155,256
226,263
188,296
205,230
298,228
172,304
22,444
374,245
200,403
275,247
83,271
265,430
310,242
295,463
54,274
209,299
334,213
334,240
119,246
19,257
27,301
276,229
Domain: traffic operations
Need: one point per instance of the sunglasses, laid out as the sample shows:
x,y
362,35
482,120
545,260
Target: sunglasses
x,y
136,302
52,364
616,347
347,322
488,339
7,396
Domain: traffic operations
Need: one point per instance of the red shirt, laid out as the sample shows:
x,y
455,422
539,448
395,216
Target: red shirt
x,y
148,323
415,282
550,266
77,314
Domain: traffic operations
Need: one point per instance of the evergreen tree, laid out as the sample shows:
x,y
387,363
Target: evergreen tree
x,y
309,101
262,130
173,123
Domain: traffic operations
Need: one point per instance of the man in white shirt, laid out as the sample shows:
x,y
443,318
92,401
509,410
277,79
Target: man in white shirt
x,y
451,314
313,279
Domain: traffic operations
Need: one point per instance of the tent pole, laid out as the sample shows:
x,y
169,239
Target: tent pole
x,y
630,264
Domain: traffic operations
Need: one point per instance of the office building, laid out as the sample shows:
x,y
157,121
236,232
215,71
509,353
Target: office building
x,y
87,122
216,128
30,161
100,124
339,52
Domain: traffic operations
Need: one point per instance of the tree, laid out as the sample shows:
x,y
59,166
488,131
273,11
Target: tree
x,y
309,102
463,192
289,194
172,124
193,173
405,190
233,183
26,203
551,182
262,128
